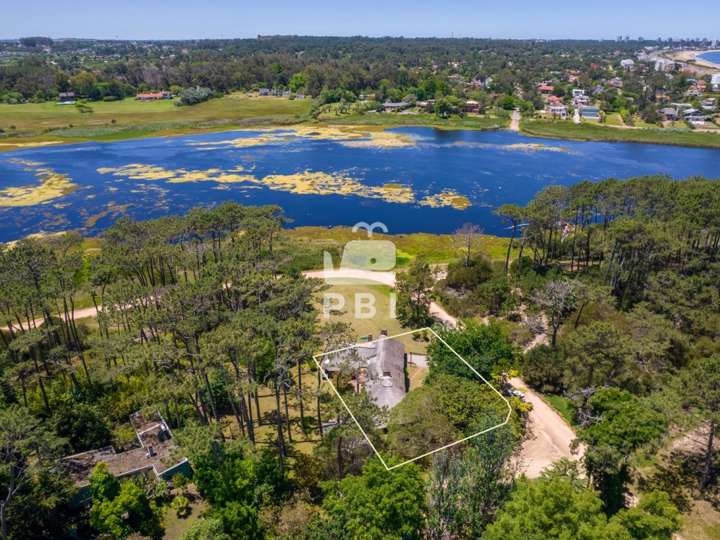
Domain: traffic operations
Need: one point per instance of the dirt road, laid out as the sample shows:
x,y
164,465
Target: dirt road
x,y
549,435
515,118
83,313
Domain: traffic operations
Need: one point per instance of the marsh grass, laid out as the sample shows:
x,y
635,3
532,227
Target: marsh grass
x,y
596,132
435,248
37,122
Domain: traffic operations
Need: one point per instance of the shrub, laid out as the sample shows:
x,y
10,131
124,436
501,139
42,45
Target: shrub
x,y
486,348
460,276
543,368
180,481
181,505
193,96
495,294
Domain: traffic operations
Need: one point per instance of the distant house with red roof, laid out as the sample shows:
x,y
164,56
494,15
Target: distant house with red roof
x,y
151,96
545,88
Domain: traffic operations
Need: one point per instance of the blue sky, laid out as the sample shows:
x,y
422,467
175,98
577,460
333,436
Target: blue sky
x,y
166,19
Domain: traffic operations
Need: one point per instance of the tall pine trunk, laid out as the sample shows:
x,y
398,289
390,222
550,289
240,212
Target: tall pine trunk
x,y
279,425
709,458
319,417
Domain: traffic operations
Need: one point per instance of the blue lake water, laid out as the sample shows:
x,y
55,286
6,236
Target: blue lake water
x,y
135,178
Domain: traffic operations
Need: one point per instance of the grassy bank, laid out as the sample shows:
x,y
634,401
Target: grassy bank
x,y
596,132
436,248
390,120
562,405
32,123
37,124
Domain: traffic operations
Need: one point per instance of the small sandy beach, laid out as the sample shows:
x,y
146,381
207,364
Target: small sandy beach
x,y
694,61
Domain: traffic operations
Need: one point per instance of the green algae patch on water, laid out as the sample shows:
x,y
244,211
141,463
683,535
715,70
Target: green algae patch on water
x,y
139,171
350,136
394,192
52,185
243,142
322,183
299,183
112,209
381,140
18,145
356,137
445,198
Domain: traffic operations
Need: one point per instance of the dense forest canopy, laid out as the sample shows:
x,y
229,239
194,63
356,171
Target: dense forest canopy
x,y
207,319
34,68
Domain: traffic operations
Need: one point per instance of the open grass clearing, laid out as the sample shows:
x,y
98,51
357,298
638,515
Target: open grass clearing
x,y
356,295
30,123
614,119
590,132
562,405
701,523
435,248
176,527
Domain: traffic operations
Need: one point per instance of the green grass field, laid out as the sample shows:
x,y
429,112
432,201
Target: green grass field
x,y
37,123
42,122
614,119
436,248
32,124
594,132
361,322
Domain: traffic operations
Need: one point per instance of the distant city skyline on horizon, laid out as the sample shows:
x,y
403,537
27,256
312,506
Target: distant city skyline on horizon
x,y
227,19
675,39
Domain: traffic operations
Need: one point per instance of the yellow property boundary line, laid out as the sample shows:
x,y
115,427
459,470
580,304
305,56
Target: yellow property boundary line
x,y
316,358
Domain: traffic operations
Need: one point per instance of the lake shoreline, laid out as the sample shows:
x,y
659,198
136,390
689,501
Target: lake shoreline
x,y
590,133
412,179
639,136
137,133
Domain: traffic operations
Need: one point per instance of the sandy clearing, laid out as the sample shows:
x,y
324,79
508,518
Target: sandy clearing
x,y
515,118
